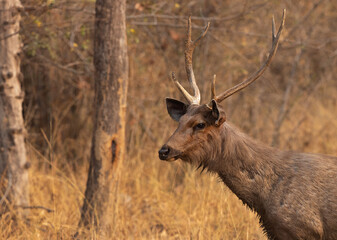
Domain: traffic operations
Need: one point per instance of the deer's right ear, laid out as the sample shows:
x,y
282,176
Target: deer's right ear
x,y
217,114
175,108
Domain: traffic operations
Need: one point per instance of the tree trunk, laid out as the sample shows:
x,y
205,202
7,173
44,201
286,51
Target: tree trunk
x,y
13,162
111,74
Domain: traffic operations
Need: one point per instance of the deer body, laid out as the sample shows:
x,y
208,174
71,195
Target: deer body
x,y
294,194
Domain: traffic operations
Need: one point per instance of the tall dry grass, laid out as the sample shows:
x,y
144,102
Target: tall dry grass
x,y
153,199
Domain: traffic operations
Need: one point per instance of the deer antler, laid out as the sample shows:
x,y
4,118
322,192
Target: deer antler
x,y
258,73
189,48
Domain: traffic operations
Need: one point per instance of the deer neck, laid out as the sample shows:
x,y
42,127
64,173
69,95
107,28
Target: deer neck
x,y
248,168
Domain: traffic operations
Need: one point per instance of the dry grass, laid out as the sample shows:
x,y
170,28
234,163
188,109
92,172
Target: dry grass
x,y
149,202
153,199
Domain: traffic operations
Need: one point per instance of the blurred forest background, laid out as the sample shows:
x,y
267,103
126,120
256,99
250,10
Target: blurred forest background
x,y
292,106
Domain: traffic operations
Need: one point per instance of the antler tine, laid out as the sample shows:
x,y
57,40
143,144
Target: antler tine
x,y
258,73
188,97
189,48
213,95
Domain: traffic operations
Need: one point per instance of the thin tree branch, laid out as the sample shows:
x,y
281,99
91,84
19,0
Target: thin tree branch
x,y
35,207
284,107
305,18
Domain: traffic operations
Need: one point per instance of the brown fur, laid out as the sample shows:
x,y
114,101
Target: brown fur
x,y
295,194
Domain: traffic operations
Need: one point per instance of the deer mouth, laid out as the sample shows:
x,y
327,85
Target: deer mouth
x,y
172,159
169,158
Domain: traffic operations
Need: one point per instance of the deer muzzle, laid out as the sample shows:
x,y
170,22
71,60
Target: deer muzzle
x,y
166,153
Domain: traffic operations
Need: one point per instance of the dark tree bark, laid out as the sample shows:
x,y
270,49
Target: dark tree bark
x,y
111,75
13,162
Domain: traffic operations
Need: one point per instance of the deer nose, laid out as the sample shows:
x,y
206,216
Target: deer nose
x,y
164,152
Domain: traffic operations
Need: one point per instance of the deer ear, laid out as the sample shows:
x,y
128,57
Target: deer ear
x,y
175,108
218,115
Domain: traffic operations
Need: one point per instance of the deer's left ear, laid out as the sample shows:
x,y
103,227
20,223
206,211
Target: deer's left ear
x,y
175,108
218,114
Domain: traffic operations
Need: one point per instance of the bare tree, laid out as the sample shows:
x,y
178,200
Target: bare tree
x,y
13,162
111,74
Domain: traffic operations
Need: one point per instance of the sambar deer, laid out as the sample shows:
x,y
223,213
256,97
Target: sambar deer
x,y
294,194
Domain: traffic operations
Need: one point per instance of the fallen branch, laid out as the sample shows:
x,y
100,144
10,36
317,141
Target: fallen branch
x,y
35,207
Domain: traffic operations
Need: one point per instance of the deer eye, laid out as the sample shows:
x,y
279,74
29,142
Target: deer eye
x,y
200,126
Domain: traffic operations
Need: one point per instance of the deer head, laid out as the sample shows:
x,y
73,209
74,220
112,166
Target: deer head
x,y
199,134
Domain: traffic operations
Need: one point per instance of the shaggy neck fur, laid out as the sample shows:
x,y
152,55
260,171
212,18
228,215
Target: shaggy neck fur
x,y
251,170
